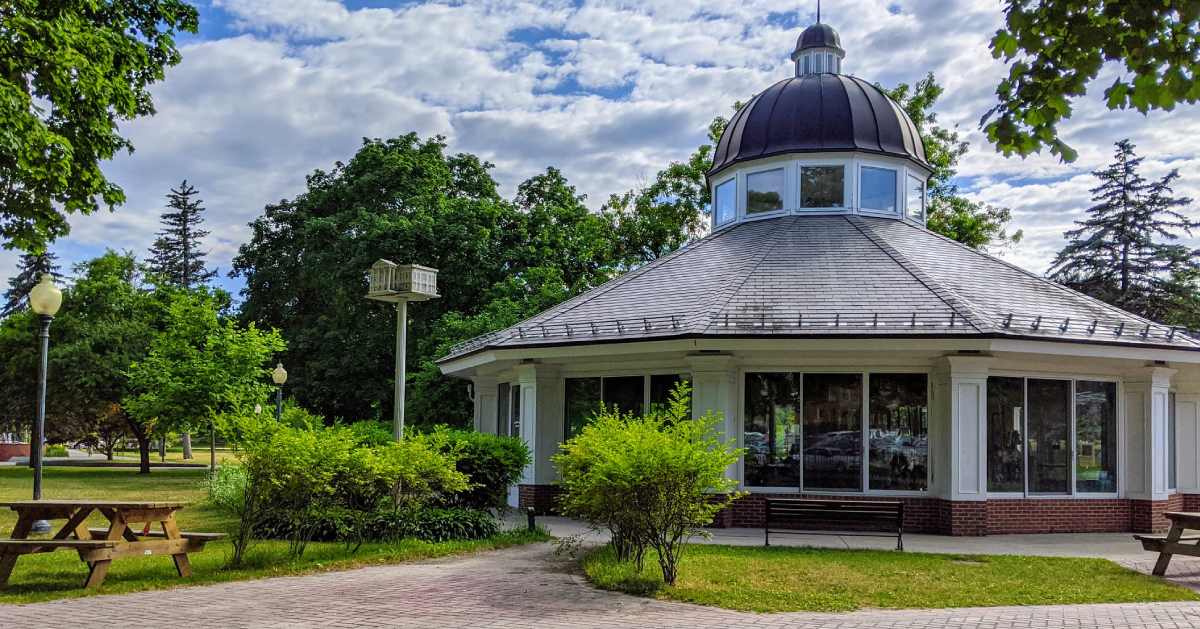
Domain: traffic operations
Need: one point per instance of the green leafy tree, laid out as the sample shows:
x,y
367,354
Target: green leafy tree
x,y
70,72
199,367
1056,48
30,269
176,255
1125,251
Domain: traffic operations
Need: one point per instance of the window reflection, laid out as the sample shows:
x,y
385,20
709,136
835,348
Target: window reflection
x,y
502,409
725,202
764,191
582,401
1049,436
899,432
822,186
661,387
833,445
625,393
1006,434
514,412
878,189
1172,479
772,430
1096,437
916,198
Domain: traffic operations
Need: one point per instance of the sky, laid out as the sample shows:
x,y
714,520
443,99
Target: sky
x,y
608,91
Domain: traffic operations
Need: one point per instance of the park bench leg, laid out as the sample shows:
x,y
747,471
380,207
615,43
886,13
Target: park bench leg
x,y
96,574
8,561
183,565
1164,558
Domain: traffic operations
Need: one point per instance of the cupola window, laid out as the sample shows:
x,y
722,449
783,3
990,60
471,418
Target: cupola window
x,y
764,191
916,198
725,202
822,186
877,189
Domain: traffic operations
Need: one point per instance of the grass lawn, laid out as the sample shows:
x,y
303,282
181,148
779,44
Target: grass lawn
x,y
809,579
200,455
60,574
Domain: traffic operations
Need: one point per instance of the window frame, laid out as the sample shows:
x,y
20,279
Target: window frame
x,y
848,199
921,218
864,475
603,375
897,171
734,217
743,200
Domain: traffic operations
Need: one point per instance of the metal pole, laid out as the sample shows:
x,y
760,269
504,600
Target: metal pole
x,y
279,402
212,446
39,427
401,347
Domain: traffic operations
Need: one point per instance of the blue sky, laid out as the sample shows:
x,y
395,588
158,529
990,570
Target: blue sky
x,y
609,91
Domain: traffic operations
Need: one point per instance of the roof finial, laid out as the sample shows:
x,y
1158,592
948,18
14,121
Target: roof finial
x,y
818,11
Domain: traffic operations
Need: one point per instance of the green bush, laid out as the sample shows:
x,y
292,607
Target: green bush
x,y
231,491
56,451
429,524
652,481
493,463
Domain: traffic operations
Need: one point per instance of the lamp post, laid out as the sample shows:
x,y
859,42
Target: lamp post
x,y
279,375
400,284
45,299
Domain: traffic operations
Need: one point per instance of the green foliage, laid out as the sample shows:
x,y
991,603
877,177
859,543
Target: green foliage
x,y
176,256
372,433
950,214
233,492
56,451
30,269
652,481
492,463
1055,49
1125,253
70,72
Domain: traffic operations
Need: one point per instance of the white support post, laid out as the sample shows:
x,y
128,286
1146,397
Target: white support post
x,y
1146,396
714,389
485,404
964,456
541,419
401,367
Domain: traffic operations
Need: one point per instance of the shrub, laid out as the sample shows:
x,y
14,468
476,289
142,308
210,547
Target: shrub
x,y
653,481
493,463
429,524
231,491
56,451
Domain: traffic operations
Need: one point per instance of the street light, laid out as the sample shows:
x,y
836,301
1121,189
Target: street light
x,y
400,284
279,375
45,299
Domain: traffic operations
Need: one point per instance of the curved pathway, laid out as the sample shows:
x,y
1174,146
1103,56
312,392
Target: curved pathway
x,y
518,587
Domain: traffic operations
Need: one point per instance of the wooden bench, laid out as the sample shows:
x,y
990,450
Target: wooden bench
x,y
868,518
1156,543
201,537
1174,542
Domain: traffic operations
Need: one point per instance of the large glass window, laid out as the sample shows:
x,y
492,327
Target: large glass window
x,y
582,400
822,186
514,412
725,202
916,198
772,430
1049,443
833,446
626,393
502,409
764,191
1096,437
877,189
1006,434
1172,479
661,387
899,432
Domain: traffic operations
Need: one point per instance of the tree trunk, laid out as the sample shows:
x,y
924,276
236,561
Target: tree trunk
x,y
162,449
186,440
143,439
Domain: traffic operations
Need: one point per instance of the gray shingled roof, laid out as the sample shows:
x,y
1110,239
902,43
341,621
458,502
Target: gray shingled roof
x,y
822,276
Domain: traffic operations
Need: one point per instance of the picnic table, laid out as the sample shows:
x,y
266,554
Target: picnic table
x,y
1174,542
98,547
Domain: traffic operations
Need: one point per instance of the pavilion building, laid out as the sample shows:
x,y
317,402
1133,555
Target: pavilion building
x,y
852,352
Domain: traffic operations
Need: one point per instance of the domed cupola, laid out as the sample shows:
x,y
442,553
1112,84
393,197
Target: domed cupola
x,y
820,141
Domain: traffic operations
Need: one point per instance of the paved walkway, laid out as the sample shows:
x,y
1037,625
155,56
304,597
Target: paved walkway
x,y
518,587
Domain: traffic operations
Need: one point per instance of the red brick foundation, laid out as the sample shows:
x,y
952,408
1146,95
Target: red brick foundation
x,y
543,498
1148,514
10,450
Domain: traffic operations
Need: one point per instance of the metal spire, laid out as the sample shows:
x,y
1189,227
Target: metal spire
x,y
818,11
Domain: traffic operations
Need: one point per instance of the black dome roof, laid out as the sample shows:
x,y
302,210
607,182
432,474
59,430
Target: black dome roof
x,y
818,113
819,36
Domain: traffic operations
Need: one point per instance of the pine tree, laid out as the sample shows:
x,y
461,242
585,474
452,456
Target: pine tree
x,y
1125,252
31,268
176,255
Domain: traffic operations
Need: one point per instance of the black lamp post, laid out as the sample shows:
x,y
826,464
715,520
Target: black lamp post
x,y
45,299
279,375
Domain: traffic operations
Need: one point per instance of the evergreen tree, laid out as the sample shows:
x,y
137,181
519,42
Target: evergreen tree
x,y
176,255
32,267
1125,252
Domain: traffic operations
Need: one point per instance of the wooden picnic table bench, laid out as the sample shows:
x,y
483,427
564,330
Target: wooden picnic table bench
x,y
866,518
1174,542
98,547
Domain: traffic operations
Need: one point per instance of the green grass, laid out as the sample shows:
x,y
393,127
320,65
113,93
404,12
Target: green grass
x,y
809,579
58,575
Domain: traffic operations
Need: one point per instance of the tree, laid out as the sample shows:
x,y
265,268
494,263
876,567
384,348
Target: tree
x,y
70,72
1056,48
176,256
405,199
197,368
30,269
1124,251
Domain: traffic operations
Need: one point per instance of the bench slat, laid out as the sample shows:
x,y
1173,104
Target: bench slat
x,y
802,516
57,543
208,537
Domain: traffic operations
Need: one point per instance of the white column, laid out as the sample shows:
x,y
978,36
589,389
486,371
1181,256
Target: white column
x,y
962,466
541,419
714,389
485,403
1146,394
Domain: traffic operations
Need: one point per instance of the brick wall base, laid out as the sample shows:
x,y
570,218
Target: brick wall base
x,y
10,450
965,518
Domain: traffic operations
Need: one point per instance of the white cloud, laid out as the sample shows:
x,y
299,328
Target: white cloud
x,y
299,82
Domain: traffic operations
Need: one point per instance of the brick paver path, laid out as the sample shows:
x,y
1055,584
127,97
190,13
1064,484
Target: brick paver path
x,y
518,587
